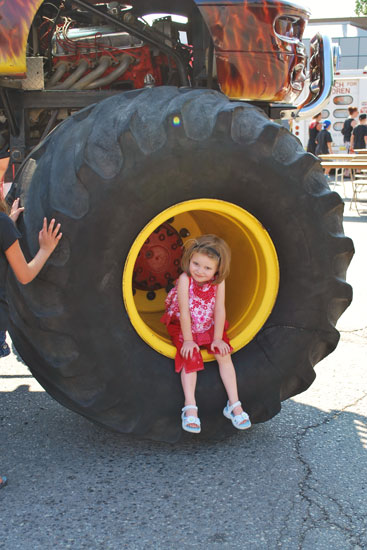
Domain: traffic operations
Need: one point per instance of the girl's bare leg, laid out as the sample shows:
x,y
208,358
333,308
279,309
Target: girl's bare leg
x,y
229,379
188,381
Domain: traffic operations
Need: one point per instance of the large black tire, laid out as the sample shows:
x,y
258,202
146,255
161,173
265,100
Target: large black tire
x,y
104,174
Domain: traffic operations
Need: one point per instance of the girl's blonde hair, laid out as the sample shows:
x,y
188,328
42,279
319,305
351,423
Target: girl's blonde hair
x,y
3,206
212,246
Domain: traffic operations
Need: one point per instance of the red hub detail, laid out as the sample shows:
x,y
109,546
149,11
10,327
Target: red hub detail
x,y
159,261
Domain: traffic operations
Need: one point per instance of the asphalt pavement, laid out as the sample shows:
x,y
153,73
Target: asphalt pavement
x,y
296,482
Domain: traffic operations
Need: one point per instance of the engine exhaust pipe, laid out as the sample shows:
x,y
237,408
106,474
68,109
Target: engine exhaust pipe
x,y
119,71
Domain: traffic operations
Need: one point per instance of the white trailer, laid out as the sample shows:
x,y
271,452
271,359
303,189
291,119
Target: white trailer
x,y
349,89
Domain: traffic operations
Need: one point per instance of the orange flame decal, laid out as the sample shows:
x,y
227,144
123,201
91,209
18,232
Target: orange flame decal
x,y
257,47
16,17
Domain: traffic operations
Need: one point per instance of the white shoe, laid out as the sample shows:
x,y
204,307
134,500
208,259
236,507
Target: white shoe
x,y
186,420
237,419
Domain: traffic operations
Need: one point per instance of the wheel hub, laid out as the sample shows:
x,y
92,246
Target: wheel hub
x,y
252,286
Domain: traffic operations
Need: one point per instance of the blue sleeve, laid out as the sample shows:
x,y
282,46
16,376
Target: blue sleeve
x,y
8,232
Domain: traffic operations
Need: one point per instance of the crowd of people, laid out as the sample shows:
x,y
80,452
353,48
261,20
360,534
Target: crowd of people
x,y
354,132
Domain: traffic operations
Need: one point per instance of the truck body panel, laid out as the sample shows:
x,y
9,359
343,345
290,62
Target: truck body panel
x,y
259,53
15,22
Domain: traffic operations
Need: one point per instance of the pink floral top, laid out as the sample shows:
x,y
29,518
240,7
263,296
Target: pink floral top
x,y
201,305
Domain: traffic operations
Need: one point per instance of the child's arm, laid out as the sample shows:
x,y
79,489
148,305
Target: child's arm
x,y
189,346
16,210
218,345
49,238
352,142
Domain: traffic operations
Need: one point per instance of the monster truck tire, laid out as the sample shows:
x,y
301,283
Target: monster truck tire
x,y
105,173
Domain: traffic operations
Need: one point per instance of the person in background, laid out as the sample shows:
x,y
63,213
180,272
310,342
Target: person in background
x,y
323,142
313,129
349,124
359,134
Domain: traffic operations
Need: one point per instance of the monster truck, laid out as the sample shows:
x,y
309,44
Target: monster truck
x,y
138,137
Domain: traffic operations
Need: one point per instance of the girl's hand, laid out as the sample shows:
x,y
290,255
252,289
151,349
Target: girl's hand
x,y
220,347
188,348
49,237
15,210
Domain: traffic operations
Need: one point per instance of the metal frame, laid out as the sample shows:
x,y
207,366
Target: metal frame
x,y
16,103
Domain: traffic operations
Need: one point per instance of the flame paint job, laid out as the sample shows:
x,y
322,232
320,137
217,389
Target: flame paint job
x,y
258,47
16,17
257,56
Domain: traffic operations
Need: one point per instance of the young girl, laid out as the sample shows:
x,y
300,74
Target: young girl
x,y
195,316
11,254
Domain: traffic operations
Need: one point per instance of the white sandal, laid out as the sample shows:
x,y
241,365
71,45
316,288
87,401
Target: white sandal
x,y
190,420
237,419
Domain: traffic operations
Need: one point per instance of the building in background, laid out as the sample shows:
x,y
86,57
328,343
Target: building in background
x,y
349,33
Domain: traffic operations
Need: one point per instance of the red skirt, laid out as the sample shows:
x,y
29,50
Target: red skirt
x,y
202,339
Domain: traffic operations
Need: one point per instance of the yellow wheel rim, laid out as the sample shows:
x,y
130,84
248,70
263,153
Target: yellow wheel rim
x,y
251,288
